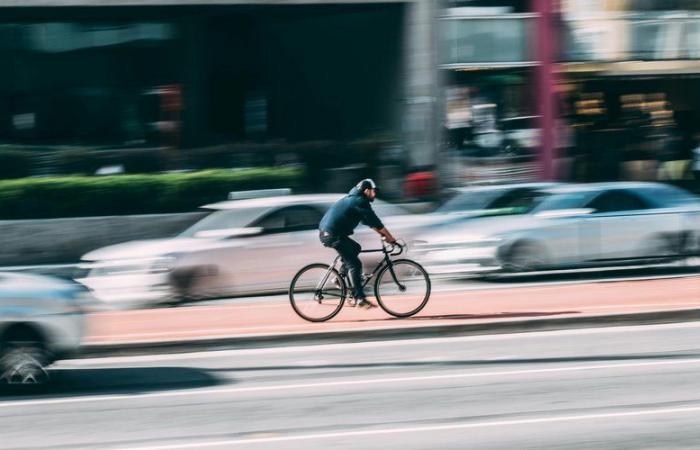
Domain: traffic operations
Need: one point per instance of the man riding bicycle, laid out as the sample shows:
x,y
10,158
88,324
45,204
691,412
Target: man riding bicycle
x,y
338,224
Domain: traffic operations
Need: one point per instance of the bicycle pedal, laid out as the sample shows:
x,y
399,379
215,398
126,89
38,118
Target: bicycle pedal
x,y
365,304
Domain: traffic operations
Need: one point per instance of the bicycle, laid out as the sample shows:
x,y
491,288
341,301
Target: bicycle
x,y
402,286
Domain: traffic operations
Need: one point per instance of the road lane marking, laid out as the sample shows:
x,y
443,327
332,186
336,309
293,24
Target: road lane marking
x,y
361,382
422,429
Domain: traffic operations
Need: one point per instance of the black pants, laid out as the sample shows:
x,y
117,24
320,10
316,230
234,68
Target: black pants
x,y
348,251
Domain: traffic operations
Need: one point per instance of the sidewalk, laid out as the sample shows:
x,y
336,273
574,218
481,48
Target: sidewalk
x,y
491,311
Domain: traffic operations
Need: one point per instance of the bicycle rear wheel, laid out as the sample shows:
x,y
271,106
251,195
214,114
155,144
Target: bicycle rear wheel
x,y
406,294
316,294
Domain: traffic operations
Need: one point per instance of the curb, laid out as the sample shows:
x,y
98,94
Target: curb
x,y
376,334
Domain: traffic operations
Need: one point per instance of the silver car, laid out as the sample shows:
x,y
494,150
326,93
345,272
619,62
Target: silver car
x,y
570,226
41,320
244,246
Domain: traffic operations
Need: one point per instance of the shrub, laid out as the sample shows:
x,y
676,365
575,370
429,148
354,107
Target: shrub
x,y
132,194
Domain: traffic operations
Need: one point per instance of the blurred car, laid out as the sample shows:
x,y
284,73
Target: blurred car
x,y
41,321
250,246
570,226
522,134
245,246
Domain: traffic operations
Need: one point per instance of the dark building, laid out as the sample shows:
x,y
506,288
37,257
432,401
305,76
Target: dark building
x,y
194,74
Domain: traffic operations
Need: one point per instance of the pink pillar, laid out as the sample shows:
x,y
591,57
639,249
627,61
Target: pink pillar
x,y
545,51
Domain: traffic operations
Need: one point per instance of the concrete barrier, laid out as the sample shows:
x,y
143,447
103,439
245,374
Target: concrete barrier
x,y
48,241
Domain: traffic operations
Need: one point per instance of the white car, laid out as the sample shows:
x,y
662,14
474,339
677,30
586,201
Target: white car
x,y
41,320
245,246
570,226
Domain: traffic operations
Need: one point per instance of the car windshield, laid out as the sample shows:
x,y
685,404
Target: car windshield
x,y
225,219
495,203
569,200
469,201
519,123
669,196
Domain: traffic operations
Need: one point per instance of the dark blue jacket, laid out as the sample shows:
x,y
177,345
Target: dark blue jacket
x,y
343,217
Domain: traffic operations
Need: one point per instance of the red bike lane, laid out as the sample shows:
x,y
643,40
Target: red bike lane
x,y
445,308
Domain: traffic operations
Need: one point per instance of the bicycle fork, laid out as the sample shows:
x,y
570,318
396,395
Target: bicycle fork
x,y
402,288
319,287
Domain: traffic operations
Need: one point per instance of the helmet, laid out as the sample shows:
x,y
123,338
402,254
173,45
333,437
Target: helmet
x,y
367,183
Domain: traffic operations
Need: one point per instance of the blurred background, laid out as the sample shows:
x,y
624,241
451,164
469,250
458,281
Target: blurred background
x,y
439,93
120,109
541,159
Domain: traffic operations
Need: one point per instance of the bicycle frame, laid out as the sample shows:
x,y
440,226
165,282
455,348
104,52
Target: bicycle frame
x,y
384,263
325,281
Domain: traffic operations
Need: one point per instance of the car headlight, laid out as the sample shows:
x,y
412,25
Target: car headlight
x,y
162,265
75,300
139,266
84,300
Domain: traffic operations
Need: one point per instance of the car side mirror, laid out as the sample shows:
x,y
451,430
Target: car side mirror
x,y
562,213
227,233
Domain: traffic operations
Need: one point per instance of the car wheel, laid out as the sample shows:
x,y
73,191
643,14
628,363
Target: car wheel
x,y
184,284
524,256
690,250
671,247
176,301
23,359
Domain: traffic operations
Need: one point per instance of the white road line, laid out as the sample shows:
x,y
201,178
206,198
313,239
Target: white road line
x,y
647,305
428,428
365,345
361,382
510,285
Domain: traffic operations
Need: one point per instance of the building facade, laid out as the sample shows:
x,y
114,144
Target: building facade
x,y
452,83
587,90
185,74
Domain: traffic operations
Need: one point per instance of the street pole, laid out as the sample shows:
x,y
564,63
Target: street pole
x,y
545,50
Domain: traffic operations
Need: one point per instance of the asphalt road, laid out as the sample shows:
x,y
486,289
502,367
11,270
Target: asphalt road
x,y
612,388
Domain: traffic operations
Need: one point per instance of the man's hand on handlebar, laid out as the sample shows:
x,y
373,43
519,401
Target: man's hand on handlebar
x,y
394,248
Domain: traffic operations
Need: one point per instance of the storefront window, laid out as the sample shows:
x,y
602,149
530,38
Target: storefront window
x,y
83,83
486,40
640,36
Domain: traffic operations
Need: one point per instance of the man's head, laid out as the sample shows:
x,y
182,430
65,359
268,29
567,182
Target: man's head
x,y
368,188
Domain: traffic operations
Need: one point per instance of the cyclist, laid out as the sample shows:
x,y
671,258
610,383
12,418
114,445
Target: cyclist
x,y
338,224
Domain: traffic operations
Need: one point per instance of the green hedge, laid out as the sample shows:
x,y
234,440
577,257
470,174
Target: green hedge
x,y
31,198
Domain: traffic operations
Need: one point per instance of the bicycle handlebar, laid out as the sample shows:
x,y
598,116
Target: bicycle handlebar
x,y
389,249
397,244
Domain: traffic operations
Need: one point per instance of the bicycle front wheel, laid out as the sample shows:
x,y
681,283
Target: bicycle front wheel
x,y
317,293
406,293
